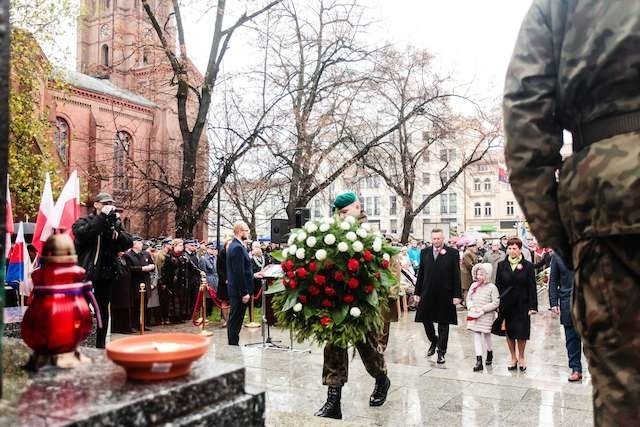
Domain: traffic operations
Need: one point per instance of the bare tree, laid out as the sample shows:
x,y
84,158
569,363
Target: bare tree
x,y
317,52
189,206
435,140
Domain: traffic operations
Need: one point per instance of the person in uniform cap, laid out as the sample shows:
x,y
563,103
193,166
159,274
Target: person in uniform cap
x,y
99,238
576,66
207,263
336,360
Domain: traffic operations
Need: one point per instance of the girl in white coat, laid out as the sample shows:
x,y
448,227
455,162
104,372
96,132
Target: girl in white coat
x,y
482,301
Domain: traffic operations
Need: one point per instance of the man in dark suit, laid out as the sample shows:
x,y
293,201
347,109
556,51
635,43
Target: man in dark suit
x,y
438,292
239,280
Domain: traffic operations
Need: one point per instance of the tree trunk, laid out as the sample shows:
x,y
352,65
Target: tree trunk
x,y
407,220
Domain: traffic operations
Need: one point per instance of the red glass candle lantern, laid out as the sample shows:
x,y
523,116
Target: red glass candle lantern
x,y
59,316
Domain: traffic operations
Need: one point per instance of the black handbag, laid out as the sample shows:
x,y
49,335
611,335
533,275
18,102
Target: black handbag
x,y
499,325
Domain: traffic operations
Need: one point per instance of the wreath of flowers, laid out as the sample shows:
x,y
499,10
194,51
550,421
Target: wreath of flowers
x,y
336,281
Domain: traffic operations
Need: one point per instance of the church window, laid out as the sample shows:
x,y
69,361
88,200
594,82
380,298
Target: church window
x,y
145,57
61,139
121,148
105,55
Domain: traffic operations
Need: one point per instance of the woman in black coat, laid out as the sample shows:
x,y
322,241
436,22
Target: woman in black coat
x,y
516,282
121,300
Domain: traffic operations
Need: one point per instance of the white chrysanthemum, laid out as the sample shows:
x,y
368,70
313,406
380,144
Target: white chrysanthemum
x,y
292,238
366,226
355,312
311,227
386,257
301,236
324,227
321,254
298,307
311,241
285,252
350,219
362,232
357,246
292,249
351,236
329,239
331,221
300,253
377,245
345,225
377,233
343,247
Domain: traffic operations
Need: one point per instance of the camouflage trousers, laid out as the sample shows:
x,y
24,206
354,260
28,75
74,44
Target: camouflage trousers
x,y
335,370
606,311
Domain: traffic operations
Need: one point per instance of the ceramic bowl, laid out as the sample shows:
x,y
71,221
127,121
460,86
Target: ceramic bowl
x,y
157,356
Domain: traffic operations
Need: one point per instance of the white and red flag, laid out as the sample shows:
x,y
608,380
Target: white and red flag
x,y
43,228
67,208
8,223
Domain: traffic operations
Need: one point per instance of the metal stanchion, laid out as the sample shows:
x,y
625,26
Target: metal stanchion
x,y
142,292
203,309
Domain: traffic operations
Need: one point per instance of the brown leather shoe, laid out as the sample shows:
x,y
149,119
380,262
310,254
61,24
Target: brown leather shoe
x,y
575,376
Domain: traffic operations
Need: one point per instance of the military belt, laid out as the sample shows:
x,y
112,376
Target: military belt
x,y
605,128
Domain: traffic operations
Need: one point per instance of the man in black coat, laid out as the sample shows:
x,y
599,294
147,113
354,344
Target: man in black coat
x,y
140,266
239,280
98,239
438,292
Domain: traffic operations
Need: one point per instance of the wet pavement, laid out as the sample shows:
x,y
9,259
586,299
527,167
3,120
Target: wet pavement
x,y
422,392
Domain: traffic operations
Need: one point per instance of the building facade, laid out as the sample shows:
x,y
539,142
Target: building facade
x,y
116,120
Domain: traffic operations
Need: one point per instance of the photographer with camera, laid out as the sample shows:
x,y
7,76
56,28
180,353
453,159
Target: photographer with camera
x,y
98,239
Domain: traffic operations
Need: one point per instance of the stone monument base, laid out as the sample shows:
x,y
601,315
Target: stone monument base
x,y
99,394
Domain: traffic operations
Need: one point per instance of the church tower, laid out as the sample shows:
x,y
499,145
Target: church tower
x,y
116,41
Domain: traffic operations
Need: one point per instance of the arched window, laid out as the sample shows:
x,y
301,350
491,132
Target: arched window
x,y
61,139
121,148
477,209
106,4
487,209
145,56
105,55
477,186
487,184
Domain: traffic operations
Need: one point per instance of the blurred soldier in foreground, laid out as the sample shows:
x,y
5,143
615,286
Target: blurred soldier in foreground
x,y
576,66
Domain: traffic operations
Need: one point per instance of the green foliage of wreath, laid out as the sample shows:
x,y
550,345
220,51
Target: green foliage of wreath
x,y
336,282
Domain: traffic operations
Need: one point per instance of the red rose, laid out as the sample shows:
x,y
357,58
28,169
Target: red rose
x,y
325,321
329,291
353,265
338,276
301,272
320,279
368,289
293,284
367,255
348,298
314,290
378,275
288,265
326,303
385,264
353,283
291,274
303,299
313,266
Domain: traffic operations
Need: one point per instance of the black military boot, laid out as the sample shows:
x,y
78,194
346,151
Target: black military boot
x,y
379,395
331,408
478,366
440,360
432,347
489,360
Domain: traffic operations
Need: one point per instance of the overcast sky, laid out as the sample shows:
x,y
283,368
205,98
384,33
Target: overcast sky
x,y
472,39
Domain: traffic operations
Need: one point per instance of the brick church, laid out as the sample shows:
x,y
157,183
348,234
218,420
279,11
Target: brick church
x,y
116,120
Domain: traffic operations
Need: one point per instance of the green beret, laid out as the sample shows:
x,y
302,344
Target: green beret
x,y
345,199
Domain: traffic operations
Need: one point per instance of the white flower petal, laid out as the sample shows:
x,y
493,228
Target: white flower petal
x,y
357,246
321,254
343,246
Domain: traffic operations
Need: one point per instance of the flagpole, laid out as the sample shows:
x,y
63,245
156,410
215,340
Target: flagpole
x,y
4,146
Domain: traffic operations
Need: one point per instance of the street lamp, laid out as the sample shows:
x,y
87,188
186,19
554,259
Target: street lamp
x,y
222,181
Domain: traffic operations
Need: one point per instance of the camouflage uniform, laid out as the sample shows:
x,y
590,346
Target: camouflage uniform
x,y
576,66
335,369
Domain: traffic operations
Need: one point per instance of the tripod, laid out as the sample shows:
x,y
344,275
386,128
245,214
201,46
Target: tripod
x,y
267,342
